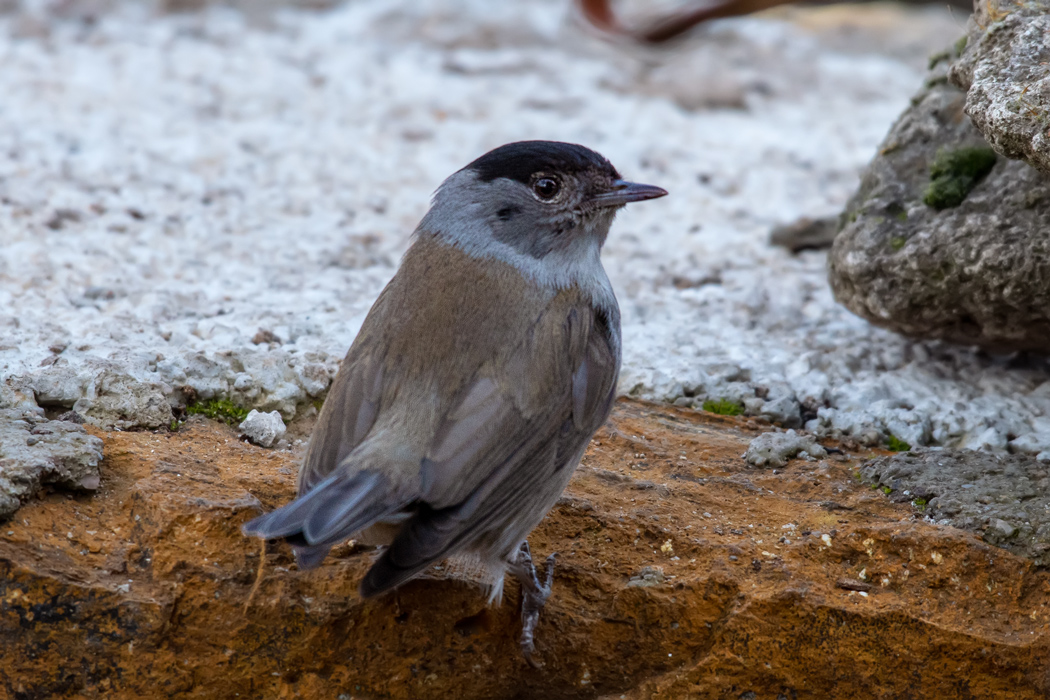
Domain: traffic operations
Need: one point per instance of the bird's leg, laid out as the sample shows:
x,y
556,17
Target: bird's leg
x,y
533,597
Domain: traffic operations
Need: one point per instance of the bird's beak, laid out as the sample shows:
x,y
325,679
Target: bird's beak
x,y
624,192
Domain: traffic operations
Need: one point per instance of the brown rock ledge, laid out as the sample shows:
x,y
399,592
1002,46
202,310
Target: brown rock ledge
x,y
677,578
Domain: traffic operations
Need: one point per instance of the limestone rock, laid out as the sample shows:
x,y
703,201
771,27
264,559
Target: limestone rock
x,y
1006,498
775,449
1003,69
943,240
104,394
263,429
35,451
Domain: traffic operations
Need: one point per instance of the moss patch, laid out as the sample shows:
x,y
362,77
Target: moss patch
x,y
937,58
222,410
895,444
723,407
954,173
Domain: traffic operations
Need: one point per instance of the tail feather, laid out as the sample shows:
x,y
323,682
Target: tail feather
x,y
421,542
310,557
344,507
329,513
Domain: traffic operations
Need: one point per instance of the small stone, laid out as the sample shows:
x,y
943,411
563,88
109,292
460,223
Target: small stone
x,y
648,576
775,449
1000,529
265,335
263,428
805,234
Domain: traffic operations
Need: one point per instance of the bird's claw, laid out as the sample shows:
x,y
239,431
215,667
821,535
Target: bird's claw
x,y
533,597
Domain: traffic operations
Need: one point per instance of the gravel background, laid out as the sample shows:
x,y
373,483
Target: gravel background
x,y
205,204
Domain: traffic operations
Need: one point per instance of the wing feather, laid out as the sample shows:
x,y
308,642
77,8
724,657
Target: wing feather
x,y
496,456
348,414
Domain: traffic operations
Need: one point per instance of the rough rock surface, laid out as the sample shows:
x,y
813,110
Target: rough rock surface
x,y
681,573
776,449
1004,71
105,395
1004,497
976,272
35,451
264,429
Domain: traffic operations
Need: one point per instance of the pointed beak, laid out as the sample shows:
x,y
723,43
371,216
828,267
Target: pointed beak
x,y
624,192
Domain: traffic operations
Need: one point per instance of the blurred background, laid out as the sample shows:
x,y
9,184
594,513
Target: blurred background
x,y
203,200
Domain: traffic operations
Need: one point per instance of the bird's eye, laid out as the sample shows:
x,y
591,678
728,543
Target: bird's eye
x,y
546,187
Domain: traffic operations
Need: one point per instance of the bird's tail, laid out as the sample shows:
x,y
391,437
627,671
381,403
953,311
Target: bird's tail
x,y
329,513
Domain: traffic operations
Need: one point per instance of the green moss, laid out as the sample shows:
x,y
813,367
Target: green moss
x,y
723,407
919,503
895,444
937,58
173,426
886,490
897,242
954,173
973,162
222,410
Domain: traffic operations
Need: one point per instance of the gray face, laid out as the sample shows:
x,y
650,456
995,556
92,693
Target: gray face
x,y
550,212
544,207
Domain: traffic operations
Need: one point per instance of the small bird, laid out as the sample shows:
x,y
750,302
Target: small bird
x,y
477,379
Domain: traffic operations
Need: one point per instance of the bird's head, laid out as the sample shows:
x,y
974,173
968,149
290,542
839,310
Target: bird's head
x,y
535,198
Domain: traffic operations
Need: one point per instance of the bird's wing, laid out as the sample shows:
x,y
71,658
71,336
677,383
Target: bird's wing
x,y
498,453
348,414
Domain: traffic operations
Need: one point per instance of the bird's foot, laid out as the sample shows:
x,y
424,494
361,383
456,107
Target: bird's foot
x,y
533,597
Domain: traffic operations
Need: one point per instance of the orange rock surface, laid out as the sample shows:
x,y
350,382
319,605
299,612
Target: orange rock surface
x,y
682,573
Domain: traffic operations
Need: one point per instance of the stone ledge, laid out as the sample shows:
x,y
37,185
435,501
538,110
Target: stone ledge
x,y
682,573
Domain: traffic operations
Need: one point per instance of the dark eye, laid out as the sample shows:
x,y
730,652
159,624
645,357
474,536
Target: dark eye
x,y
546,187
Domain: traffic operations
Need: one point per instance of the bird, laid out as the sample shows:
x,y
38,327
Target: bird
x,y
478,378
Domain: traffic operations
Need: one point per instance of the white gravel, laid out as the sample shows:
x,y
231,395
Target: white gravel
x,y
170,186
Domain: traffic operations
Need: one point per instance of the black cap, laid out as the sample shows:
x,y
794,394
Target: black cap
x,y
523,159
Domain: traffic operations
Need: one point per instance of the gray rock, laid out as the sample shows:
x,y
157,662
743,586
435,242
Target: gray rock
x,y
263,428
1031,443
140,390
776,449
35,451
976,272
114,399
781,408
648,577
104,394
17,394
1004,498
1003,70
805,234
